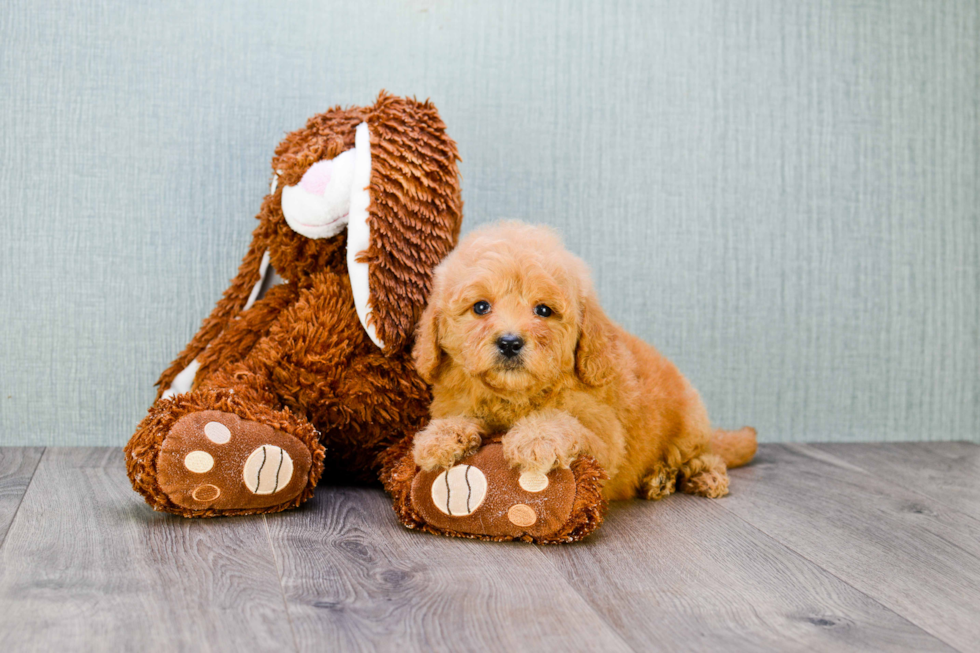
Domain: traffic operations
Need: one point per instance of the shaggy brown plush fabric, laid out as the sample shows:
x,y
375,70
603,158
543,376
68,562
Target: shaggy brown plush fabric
x,y
299,360
567,510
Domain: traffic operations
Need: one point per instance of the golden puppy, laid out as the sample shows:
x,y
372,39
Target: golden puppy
x,y
513,340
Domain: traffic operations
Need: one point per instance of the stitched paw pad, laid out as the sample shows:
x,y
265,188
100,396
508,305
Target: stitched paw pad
x,y
216,460
483,495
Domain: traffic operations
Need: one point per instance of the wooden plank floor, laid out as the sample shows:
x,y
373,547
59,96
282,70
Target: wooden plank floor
x,y
819,547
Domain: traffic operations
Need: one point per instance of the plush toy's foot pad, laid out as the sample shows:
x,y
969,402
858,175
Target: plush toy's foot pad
x,y
213,460
483,497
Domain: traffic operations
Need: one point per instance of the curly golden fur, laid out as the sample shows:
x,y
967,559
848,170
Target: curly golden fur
x,y
579,383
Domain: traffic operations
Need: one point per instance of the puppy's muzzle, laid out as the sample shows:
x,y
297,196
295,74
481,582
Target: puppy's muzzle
x,y
510,345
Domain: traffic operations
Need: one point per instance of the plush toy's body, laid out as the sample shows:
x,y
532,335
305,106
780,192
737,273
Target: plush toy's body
x,y
278,372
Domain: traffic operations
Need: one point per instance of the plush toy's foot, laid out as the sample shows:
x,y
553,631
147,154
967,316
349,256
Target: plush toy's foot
x,y
483,497
208,454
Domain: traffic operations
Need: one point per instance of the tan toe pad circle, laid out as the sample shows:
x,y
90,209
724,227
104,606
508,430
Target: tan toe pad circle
x,y
522,515
206,493
199,462
267,469
533,481
459,491
217,432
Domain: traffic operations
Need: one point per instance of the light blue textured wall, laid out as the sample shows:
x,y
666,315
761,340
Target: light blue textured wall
x,y
781,195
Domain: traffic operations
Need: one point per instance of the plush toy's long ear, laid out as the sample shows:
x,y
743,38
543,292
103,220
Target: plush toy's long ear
x,y
408,219
235,298
593,353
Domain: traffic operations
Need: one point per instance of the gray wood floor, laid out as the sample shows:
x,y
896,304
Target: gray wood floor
x,y
819,547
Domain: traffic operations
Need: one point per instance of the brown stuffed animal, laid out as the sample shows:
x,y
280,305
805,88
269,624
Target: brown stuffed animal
x,y
364,204
286,379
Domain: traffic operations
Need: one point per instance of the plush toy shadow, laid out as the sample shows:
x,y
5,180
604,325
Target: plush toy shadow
x,y
304,366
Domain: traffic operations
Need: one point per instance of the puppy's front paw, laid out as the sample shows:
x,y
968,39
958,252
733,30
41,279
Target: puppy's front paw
x,y
538,448
445,441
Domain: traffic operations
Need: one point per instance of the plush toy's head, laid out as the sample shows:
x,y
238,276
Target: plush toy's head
x,y
373,192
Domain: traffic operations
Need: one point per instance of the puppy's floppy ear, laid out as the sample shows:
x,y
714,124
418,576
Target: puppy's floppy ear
x,y
427,352
411,216
593,353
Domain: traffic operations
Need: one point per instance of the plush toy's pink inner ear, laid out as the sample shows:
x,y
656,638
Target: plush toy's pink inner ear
x,y
316,179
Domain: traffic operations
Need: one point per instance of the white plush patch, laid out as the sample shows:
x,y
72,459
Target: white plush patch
x,y
317,207
459,491
267,278
183,381
199,462
254,296
359,231
533,481
267,470
217,432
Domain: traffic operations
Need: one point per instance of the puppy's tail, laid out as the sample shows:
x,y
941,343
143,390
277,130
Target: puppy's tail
x,y
735,447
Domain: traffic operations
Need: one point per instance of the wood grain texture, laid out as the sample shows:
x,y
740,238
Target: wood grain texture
x,y
88,566
17,466
908,551
684,574
948,472
355,580
817,548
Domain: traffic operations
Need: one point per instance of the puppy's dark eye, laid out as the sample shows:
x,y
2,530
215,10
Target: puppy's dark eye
x,y
542,311
481,307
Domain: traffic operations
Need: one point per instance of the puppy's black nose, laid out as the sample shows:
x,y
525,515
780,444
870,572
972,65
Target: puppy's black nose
x,y
510,345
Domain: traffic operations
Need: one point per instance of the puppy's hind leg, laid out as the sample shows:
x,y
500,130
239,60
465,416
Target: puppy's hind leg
x,y
659,483
705,475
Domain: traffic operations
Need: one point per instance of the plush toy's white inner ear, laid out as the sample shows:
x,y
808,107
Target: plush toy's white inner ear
x,y
359,231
